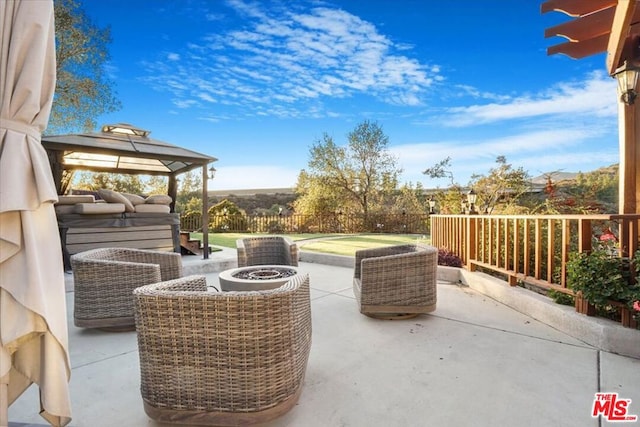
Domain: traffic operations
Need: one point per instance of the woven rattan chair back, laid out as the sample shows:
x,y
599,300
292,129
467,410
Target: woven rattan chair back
x,y
396,281
266,250
222,358
104,280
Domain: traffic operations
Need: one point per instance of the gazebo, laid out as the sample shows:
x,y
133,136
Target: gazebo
x,y
126,149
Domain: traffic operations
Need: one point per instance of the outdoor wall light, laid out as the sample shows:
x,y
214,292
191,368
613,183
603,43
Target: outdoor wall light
x,y
471,200
125,129
212,172
627,77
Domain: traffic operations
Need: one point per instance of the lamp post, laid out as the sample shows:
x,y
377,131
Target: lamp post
x,y
432,206
206,175
471,200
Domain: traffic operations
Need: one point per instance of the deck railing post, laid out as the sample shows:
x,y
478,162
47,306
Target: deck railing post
x,y
472,241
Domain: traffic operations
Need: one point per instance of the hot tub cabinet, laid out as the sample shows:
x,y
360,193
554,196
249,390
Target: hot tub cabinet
x,y
157,231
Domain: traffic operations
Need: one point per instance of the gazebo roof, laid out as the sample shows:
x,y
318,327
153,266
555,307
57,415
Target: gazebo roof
x,y
123,148
611,26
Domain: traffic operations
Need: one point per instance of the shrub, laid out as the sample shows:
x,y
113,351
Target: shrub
x,y
601,277
448,258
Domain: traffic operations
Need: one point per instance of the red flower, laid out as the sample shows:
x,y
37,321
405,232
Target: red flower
x,y
636,306
608,235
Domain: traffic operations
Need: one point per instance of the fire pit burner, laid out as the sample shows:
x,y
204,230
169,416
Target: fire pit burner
x,y
256,278
261,273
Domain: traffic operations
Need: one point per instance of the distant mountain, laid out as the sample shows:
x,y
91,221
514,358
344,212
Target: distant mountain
x,y
555,177
558,176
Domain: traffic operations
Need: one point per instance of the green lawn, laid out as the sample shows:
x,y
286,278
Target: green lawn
x,y
338,244
348,245
228,240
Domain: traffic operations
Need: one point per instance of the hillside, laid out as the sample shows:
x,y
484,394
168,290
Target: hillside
x,y
568,185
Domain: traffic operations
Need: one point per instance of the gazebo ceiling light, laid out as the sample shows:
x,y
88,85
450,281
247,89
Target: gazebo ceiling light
x,y
125,129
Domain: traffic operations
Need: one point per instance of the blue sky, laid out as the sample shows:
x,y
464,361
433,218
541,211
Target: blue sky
x,y
256,83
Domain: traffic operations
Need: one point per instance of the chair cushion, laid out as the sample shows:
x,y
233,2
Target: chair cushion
x,y
111,196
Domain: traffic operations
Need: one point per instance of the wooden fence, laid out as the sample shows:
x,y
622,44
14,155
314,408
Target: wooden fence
x,y
331,223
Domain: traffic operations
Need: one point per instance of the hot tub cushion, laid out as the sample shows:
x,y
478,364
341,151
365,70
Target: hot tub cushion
x,y
111,196
158,199
152,208
65,209
73,199
134,199
99,208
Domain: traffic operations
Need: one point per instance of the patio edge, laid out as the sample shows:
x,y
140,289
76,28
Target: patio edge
x,y
603,334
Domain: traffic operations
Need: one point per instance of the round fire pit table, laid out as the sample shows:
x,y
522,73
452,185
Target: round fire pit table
x,y
256,277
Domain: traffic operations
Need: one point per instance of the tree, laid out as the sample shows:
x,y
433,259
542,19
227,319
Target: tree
x,y
450,200
83,91
357,176
123,183
189,195
410,200
503,185
117,182
226,216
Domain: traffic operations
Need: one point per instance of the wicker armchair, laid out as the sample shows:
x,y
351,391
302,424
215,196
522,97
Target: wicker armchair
x,y
265,250
396,281
221,358
104,280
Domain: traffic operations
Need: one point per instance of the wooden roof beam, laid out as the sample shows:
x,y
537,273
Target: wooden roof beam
x,y
576,7
586,27
619,31
578,50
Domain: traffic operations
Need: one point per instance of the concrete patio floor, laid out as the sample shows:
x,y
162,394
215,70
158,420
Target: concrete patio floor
x,y
472,362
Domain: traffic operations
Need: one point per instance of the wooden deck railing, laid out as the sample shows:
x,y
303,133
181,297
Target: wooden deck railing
x,y
532,249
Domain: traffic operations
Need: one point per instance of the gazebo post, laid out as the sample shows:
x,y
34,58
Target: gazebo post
x,y
172,191
205,212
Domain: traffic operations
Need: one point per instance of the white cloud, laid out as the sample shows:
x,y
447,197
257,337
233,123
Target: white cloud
x,y
516,144
292,55
569,148
594,96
